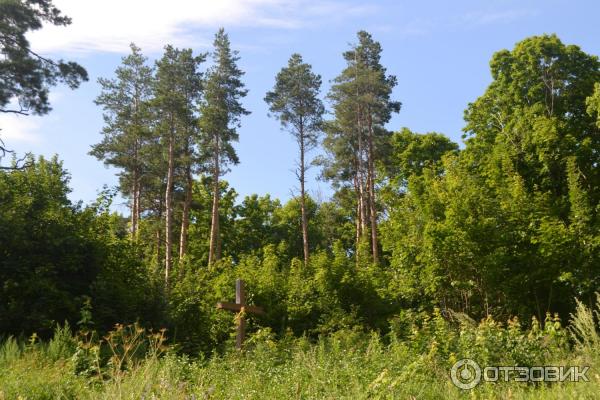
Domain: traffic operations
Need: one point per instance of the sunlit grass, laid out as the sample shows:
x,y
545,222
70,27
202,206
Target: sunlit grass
x,y
350,364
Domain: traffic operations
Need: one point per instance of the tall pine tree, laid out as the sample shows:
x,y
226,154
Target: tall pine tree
x,y
127,125
361,97
294,101
220,114
178,89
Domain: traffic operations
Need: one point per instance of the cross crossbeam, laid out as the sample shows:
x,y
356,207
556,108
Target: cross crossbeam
x,y
235,307
240,307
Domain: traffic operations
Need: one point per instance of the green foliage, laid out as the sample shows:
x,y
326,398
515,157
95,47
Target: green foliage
x,y
533,116
294,101
11,350
127,134
506,226
362,105
221,109
593,104
48,257
54,254
62,344
410,154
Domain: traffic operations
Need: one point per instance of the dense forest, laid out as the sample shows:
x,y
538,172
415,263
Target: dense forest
x,y
419,232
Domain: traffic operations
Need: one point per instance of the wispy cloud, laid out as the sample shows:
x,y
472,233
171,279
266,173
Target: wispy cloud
x,y
19,129
496,17
111,25
15,128
426,25
417,27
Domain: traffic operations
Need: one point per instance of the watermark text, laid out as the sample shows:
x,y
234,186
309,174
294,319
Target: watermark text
x,y
467,374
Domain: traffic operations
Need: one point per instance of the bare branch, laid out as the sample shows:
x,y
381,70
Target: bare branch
x,y
19,112
16,166
4,151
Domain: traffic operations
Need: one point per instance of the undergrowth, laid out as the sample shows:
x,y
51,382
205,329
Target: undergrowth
x,y
412,362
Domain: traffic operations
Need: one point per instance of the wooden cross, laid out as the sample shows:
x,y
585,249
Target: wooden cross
x,y
240,307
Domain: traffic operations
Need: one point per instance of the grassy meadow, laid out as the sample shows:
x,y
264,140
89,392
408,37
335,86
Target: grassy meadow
x,y
413,362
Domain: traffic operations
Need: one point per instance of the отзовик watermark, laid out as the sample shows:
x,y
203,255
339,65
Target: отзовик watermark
x,y
466,374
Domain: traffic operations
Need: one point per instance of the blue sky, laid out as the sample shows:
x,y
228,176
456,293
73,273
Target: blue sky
x,y
439,51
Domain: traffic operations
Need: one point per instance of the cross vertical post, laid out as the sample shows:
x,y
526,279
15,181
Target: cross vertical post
x,y
240,298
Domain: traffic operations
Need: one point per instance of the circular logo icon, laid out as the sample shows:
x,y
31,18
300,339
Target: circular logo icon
x,y
465,374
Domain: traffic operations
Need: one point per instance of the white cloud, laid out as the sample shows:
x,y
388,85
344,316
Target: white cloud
x,y
497,17
110,25
19,128
24,129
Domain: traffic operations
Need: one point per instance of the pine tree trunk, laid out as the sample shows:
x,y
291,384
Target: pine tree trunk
x,y
358,213
135,192
159,235
187,201
185,218
158,245
169,210
361,189
362,218
362,203
134,206
361,207
138,207
371,188
303,201
214,252
137,144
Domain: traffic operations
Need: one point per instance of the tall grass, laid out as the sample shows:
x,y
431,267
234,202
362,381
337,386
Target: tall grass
x,y
414,363
583,326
